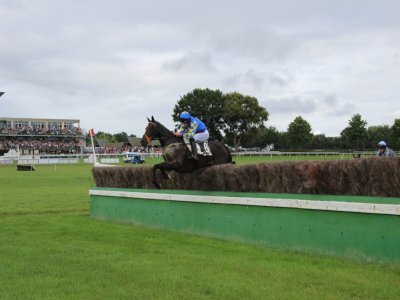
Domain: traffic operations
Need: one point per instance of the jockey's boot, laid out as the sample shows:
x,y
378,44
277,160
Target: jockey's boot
x,y
202,147
194,149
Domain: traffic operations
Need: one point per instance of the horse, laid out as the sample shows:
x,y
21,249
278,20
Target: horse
x,y
176,154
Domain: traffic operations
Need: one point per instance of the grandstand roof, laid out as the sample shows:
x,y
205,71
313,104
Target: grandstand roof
x,y
38,119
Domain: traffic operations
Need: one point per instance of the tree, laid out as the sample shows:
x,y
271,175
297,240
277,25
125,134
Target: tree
x,y
121,137
103,135
355,134
319,141
266,136
205,104
378,133
396,134
299,133
241,115
252,139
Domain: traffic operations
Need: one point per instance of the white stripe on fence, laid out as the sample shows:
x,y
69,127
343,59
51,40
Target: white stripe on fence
x,y
370,208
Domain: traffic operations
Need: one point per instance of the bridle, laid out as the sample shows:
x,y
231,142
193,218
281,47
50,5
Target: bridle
x,y
149,138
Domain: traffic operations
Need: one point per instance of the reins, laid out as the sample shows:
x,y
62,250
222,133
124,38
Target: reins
x,y
149,138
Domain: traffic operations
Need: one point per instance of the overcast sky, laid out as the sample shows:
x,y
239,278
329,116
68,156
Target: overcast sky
x,y
112,63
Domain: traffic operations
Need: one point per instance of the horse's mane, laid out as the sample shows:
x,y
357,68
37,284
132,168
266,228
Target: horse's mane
x,y
165,134
162,129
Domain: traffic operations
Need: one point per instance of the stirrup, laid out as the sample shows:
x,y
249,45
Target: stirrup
x,y
194,156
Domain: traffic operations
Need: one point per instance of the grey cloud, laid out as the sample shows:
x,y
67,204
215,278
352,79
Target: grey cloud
x,y
327,105
281,78
67,54
342,110
267,45
292,104
258,79
253,78
191,61
329,99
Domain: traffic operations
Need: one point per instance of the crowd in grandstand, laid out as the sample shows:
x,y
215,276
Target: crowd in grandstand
x,y
44,146
41,131
58,141
126,148
29,139
108,150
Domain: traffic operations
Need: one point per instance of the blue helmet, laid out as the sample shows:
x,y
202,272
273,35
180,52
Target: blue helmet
x,y
382,144
185,116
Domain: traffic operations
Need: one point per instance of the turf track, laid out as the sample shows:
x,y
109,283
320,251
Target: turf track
x,y
51,249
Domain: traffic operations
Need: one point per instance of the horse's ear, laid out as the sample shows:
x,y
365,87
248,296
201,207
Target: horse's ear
x,y
148,119
152,119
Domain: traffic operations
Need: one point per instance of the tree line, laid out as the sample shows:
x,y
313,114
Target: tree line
x,y
239,121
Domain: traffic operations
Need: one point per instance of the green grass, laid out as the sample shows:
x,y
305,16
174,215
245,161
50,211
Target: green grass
x,y
73,257
50,188
51,249
257,158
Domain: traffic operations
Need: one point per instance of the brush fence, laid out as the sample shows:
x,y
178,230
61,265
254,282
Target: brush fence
x,y
367,228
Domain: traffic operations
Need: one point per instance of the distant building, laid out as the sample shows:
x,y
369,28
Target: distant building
x,y
15,123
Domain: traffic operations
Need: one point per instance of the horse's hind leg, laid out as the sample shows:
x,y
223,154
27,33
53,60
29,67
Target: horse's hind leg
x,y
164,167
165,174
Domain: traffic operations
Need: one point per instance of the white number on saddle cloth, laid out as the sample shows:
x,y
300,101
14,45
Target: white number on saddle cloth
x,y
206,152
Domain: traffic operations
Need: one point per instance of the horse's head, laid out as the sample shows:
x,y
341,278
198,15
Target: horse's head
x,y
151,132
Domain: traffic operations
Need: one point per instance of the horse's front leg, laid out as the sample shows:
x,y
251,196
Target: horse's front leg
x,y
163,167
154,181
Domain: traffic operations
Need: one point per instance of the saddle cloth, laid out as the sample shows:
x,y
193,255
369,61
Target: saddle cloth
x,y
203,149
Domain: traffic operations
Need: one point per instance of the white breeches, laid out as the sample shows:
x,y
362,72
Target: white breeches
x,y
201,136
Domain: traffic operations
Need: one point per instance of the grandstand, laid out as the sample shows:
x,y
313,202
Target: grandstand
x,y
33,136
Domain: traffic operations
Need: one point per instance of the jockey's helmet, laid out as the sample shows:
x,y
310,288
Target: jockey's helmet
x,y
382,144
185,116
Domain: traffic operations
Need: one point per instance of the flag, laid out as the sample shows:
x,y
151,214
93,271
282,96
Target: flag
x,y
91,132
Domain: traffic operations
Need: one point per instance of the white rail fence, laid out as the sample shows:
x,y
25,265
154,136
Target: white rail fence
x,y
118,158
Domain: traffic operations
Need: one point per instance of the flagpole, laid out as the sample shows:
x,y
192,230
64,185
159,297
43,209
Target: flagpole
x,y
91,133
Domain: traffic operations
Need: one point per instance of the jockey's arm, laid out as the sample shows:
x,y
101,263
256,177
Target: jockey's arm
x,y
185,131
191,130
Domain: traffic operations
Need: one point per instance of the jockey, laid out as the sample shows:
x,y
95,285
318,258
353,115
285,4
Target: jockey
x,y
384,150
193,129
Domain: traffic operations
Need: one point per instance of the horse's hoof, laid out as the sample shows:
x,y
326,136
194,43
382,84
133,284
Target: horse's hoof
x,y
157,185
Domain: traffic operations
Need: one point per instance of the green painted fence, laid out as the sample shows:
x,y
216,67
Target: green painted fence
x,y
360,227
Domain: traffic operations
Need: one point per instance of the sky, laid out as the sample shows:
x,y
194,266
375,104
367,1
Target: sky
x,y
111,64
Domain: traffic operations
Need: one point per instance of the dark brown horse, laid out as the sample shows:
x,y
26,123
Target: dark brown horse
x,y
176,153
